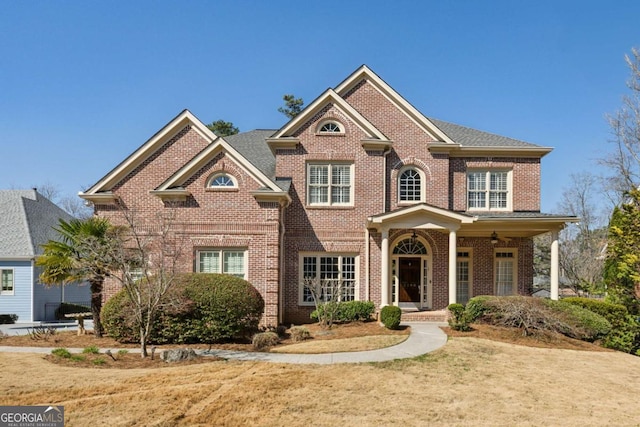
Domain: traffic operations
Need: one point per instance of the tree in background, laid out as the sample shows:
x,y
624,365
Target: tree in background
x,y
292,106
622,268
222,128
80,255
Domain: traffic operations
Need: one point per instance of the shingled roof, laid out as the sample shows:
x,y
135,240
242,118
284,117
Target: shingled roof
x,y
468,137
26,223
253,146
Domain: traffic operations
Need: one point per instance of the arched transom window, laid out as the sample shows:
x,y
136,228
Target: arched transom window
x,y
410,246
331,127
410,186
222,181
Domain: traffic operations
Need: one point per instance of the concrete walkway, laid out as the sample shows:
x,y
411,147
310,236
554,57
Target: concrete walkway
x,y
424,338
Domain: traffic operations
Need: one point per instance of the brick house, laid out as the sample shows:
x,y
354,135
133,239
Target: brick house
x,y
360,188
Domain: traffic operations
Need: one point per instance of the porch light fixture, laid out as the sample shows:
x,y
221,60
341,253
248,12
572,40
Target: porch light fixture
x,y
494,238
414,238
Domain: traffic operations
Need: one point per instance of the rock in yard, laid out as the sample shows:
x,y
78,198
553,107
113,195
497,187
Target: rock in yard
x,y
178,355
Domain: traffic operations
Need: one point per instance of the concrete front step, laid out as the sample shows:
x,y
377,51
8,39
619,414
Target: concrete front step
x,y
425,316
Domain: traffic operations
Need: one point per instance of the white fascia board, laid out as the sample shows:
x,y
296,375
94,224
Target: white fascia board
x,y
394,97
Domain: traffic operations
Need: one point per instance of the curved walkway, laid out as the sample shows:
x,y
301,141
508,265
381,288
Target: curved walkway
x,y
424,338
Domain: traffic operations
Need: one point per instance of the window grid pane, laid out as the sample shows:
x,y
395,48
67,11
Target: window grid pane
x,y
331,271
504,274
234,263
410,186
329,184
7,280
462,287
210,262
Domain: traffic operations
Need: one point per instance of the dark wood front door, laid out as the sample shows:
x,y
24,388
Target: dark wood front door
x,y
409,279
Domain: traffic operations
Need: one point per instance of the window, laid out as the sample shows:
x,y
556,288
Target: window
x,y
227,261
489,190
6,281
222,181
331,274
410,186
329,184
330,127
463,276
505,272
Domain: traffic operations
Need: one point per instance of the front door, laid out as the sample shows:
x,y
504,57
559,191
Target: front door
x,y
409,279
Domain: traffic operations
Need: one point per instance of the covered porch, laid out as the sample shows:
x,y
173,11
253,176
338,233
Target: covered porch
x,y
431,257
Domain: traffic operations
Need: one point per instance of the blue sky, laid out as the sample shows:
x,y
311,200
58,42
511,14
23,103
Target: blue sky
x,y
83,84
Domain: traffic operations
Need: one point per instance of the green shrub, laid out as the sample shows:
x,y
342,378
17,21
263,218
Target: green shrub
x,y
204,308
583,324
349,311
625,330
61,352
390,316
91,350
122,352
67,308
476,307
458,319
99,361
264,340
8,319
299,333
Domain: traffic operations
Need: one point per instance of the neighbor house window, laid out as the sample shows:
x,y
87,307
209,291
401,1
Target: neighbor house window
x,y
6,281
330,184
489,190
463,276
226,261
410,186
330,127
222,181
333,275
505,272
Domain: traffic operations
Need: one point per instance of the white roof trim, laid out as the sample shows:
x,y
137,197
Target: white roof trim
x,y
388,92
202,158
320,102
441,216
148,148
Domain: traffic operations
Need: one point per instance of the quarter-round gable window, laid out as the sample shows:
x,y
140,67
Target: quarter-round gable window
x,y
222,181
331,128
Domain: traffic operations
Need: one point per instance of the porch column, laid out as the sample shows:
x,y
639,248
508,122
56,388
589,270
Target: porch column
x,y
555,262
453,252
384,268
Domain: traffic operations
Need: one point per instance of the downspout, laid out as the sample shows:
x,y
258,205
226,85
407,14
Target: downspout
x,y
281,268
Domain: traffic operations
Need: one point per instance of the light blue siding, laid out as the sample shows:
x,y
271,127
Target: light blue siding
x,y
20,302
46,299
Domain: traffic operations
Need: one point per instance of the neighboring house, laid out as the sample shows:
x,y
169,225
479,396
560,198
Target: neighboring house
x,y
360,188
26,222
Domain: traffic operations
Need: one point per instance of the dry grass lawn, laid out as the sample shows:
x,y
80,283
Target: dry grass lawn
x,y
471,381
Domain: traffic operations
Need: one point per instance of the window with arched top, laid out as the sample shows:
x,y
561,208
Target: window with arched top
x,y
222,181
410,246
410,183
331,128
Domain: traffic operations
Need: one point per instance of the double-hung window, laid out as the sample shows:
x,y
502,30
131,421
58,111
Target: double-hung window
x,y
226,261
330,184
489,190
331,276
505,271
6,282
463,276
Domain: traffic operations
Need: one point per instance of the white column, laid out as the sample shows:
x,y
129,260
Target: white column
x,y
384,268
453,253
555,262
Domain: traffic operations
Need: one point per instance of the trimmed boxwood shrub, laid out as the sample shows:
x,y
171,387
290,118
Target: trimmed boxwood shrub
x,y
476,307
264,340
583,324
625,330
8,319
390,316
200,307
459,319
349,311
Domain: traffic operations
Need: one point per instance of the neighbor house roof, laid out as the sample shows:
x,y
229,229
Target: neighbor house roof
x,y
26,223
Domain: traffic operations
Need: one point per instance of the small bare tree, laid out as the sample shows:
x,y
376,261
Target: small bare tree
x,y
145,259
326,294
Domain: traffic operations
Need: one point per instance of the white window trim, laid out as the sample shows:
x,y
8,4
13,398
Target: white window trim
x,y
221,251
302,255
422,185
327,121
487,190
330,165
13,281
514,286
470,260
211,187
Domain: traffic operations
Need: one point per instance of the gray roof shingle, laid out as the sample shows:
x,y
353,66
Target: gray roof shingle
x,y
26,222
253,146
468,137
